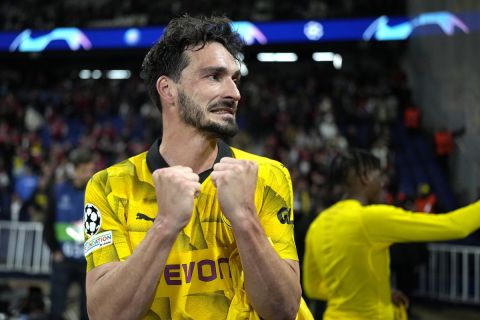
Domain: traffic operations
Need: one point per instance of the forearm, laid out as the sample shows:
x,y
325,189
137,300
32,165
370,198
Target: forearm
x,y
388,224
49,227
50,239
272,285
466,218
130,285
454,225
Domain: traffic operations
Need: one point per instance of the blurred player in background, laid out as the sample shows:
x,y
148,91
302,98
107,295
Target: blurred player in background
x,y
347,246
63,233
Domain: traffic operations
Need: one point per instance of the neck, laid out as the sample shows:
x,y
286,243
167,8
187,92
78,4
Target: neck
x,y
356,196
187,147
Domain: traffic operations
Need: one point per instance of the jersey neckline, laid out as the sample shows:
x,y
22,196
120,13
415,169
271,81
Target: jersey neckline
x,y
156,161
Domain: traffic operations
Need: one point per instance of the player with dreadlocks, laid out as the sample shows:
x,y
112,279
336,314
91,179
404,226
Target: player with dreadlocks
x,y
347,246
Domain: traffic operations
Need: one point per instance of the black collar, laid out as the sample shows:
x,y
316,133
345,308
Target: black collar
x,y
155,160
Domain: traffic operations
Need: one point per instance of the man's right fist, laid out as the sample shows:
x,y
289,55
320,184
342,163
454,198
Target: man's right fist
x,y
175,189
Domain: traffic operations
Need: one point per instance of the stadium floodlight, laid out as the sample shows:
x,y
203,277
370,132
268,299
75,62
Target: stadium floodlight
x,y
277,57
323,56
96,74
241,63
337,61
243,69
335,58
118,74
84,74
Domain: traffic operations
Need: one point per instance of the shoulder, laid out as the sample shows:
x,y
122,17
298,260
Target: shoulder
x,y
343,211
127,169
383,209
383,213
265,165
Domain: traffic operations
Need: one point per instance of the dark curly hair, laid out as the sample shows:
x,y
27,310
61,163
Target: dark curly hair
x,y
167,56
358,160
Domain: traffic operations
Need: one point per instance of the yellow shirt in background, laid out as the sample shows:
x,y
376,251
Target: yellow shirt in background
x,y
347,259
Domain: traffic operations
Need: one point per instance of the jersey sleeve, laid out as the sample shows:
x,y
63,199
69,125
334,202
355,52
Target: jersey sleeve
x,y
390,224
276,208
105,236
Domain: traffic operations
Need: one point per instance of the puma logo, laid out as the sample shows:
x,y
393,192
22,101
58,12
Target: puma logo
x,y
141,216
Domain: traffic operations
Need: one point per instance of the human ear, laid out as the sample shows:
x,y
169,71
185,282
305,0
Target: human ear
x,y
364,177
166,89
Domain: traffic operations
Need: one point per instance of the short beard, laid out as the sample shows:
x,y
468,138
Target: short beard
x,y
191,113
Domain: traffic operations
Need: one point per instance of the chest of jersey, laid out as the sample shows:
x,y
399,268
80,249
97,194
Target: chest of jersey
x,y
201,257
208,227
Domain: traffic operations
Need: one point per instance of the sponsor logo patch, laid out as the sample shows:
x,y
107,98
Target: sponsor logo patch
x,y
97,241
142,216
285,216
92,219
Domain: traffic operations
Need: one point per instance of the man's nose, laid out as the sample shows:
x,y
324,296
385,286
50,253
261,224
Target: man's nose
x,y
232,90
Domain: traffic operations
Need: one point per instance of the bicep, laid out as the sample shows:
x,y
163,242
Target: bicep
x,y
95,275
98,284
107,239
390,224
275,205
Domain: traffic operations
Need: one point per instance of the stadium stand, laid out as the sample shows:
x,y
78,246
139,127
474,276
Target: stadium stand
x,y
16,15
301,116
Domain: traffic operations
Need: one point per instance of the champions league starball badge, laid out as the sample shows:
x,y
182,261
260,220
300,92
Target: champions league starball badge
x,y
91,219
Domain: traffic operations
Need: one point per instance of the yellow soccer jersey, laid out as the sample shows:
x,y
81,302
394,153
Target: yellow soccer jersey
x,y
203,272
347,258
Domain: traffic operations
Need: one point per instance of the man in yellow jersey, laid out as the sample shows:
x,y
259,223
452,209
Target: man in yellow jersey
x,y
193,228
347,246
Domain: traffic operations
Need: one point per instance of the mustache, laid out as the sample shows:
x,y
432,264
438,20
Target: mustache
x,y
226,103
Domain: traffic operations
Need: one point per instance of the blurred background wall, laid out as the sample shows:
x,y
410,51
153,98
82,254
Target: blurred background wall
x,y
445,78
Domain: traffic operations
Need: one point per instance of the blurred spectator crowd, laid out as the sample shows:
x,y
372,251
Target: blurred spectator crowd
x,y
18,15
43,118
302,120
301,115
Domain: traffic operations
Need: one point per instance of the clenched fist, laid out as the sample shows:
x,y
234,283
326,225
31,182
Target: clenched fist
x,y
175,188
236,181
